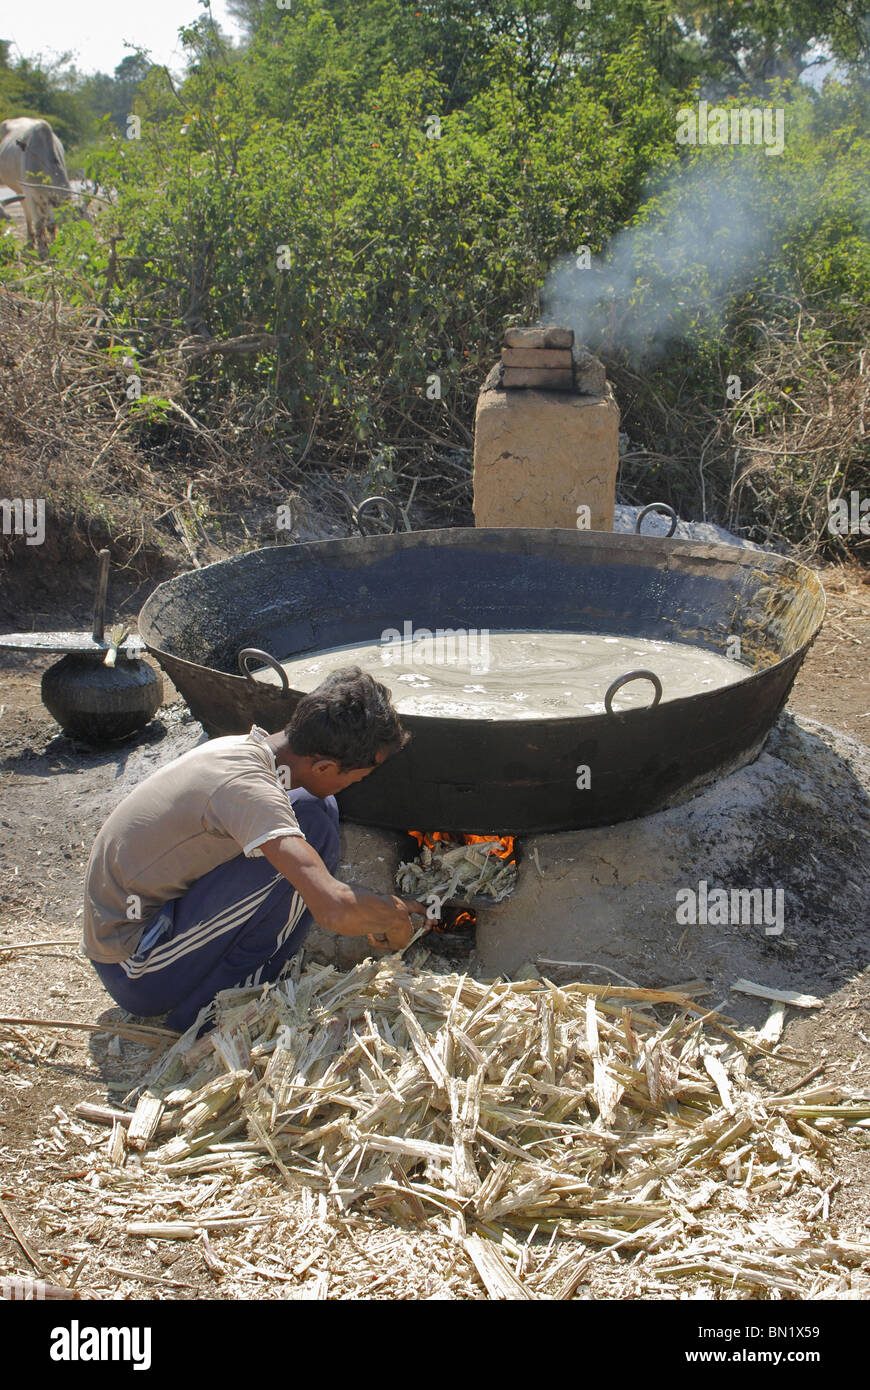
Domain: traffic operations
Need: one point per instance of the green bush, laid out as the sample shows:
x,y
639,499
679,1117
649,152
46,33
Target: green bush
x,y
402,254
292,193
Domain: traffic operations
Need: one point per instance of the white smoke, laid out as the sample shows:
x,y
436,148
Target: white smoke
x,y
703,237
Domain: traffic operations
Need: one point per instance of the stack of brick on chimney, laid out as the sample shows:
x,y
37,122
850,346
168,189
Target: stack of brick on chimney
x,y
538,357
542,453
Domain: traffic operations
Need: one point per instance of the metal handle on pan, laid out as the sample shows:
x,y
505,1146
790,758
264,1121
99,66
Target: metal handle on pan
x,y
632,676
367,505
657,507
253,653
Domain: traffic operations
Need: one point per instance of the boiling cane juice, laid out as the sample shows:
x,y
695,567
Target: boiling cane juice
x,y
480,674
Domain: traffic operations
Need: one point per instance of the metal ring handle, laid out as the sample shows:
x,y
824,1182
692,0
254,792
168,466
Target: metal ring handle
x,y
368,503
657,507
249,653
632,676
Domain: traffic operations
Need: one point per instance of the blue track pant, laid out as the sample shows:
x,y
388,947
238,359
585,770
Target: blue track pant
x,y
237,925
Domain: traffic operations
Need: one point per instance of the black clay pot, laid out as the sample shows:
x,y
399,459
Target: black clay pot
x,y
97,703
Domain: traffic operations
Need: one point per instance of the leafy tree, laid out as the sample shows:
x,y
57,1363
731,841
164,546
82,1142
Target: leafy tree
x,y
371,191
750,42
115,96
29,87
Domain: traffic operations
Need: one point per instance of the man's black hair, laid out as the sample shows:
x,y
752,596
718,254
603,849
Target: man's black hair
x,y
350,718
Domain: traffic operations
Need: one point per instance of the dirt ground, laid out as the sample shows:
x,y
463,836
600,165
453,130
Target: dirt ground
x,y
54,795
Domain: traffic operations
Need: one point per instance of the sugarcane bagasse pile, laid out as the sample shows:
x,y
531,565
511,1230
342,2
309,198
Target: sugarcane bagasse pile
x,y
546,1133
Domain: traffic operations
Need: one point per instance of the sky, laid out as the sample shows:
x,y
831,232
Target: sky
x,y
95,31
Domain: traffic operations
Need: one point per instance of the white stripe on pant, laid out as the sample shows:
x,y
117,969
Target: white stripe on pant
x,y
297,907
194,939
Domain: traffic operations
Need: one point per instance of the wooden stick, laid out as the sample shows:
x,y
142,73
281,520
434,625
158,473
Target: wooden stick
x,y
801,1081
99,626
138,1032
32,945
22,1241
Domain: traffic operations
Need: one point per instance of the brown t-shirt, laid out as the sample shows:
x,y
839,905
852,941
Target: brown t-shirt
x,y
221,799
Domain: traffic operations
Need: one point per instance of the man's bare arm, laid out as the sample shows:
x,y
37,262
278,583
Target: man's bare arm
x,y
340,907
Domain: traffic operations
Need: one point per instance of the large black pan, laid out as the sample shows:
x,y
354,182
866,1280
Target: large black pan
x,y
499,776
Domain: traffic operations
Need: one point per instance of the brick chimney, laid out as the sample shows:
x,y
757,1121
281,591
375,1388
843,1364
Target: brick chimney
x,y
545,436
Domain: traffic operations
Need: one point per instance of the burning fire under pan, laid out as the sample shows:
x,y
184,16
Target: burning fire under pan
x,y
606,676
457,876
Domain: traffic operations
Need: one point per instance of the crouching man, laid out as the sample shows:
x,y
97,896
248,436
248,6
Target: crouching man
x,y
211,873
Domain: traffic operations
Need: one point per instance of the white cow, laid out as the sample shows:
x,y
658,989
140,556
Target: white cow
x,y
32,164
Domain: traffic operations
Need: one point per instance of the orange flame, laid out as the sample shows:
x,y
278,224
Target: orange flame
x,y
455,921
503,845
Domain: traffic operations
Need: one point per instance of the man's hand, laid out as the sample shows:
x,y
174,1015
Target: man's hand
x,y
393,940
342,907
396,936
